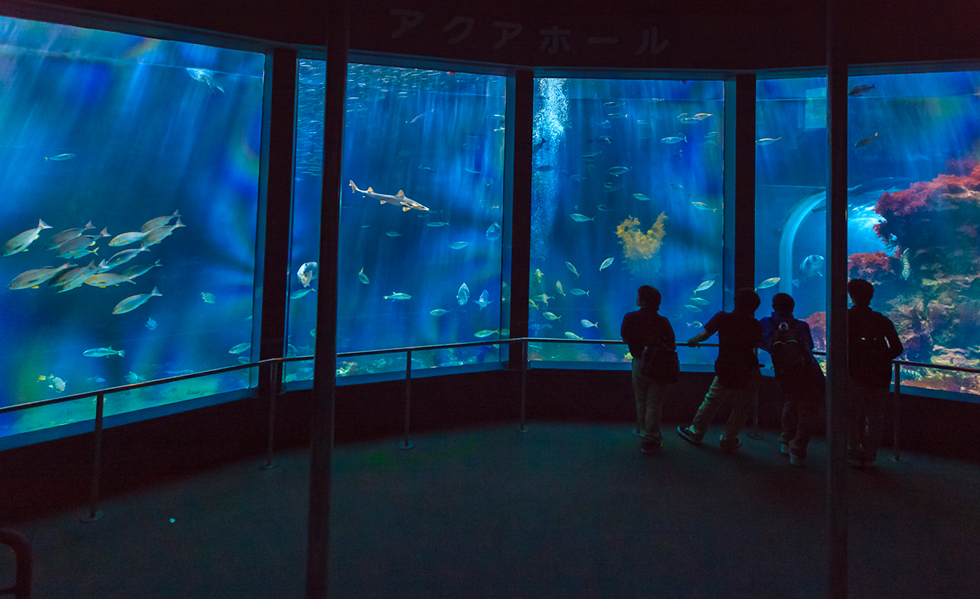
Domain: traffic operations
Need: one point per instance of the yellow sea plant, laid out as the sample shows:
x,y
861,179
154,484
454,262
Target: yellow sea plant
x,y
639,247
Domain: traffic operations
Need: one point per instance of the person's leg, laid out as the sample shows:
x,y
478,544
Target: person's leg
x,y
875,418
808,410
744,399
714,398
656,395
789,420
640,386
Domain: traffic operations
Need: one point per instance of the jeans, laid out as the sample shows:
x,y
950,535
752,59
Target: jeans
x,y
801,411
650,397
742,401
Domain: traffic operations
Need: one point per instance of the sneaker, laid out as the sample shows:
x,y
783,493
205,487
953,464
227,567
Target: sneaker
x,y
796,459
689,435
650,447
730,445
784,448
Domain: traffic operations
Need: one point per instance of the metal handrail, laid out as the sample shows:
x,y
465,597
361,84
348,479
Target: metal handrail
x,y
95,513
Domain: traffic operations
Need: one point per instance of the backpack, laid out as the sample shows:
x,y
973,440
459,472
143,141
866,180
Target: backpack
x,y
660,364
868,358
788,354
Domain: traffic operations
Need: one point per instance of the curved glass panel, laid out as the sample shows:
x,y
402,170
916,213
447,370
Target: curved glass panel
x,y
914,221
628,190
107,139
421,216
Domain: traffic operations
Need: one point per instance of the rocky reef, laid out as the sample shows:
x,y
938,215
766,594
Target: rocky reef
x,y
930,285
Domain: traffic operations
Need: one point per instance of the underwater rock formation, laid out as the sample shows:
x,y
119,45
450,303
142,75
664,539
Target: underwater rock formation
x,y
931,284
640,248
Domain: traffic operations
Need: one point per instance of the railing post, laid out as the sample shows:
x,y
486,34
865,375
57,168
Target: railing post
x,y
407,444
274,381
94,512
524,355
897,410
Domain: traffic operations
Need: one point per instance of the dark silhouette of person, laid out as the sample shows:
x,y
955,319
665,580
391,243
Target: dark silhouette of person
x,y
802,383
642,328
736,370
872,344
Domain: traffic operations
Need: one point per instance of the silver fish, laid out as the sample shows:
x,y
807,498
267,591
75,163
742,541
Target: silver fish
x,y
126,239
768,283
674,140
484,300
64,236
122,258
160,221
103,352
906,266
458,245
581,218
463,295
606,263
494,232
33,278
707,283
157,235
307,272
134,301
571,267
20,242
240,348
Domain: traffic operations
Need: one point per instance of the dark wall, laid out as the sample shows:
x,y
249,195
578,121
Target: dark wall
x,y
679,34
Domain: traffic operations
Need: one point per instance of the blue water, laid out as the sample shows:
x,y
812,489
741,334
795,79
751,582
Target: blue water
x,y
907,129
118,130
438,137
608,151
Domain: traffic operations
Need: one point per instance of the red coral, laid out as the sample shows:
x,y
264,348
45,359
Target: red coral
x,y
906,223
871,266
818,328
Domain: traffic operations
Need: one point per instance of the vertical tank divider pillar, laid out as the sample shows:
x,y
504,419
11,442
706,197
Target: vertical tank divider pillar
x,y
523,425
275,212
94,513
322,416
837,375
744,185
407,444
897,412
756,432
273,392
518,182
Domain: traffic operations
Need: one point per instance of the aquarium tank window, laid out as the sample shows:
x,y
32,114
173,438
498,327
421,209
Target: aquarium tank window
x,y
914,215
790,197
421,217
627,191
130,171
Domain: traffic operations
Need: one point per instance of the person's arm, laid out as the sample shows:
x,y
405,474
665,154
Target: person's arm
x,y
895,347
697,339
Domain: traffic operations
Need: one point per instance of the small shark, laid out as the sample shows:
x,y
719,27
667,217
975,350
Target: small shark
x,y
396,200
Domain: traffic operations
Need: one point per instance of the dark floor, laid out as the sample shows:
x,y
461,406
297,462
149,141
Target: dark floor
x,y
561,511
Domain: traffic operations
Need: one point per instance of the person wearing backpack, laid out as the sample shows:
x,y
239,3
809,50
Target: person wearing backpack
x,y
872,344
736,370
790,345
646,328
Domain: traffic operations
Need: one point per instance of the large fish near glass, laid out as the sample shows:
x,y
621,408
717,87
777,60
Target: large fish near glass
x,y
398,199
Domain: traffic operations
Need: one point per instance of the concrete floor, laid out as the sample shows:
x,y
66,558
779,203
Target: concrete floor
x,y
561,511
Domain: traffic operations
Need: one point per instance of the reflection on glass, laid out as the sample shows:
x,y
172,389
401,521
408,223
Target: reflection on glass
x,y
790,216
421,217
627,191
914,220
130,174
